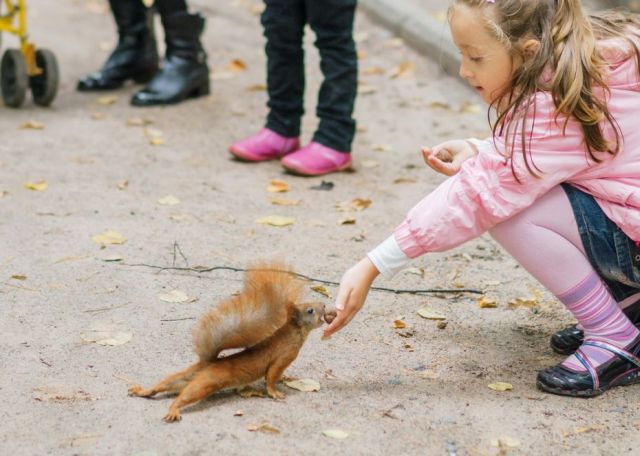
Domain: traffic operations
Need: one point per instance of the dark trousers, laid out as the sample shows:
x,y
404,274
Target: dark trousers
x,y
332,23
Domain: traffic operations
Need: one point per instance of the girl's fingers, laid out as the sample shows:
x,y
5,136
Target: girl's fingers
x,y
339,322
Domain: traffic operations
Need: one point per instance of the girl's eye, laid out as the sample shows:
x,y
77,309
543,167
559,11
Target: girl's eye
x,y
310,311
475,59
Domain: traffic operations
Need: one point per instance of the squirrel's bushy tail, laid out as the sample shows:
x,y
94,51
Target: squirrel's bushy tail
x,y
252,316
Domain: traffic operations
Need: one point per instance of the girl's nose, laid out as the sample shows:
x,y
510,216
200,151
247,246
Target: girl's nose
x,y
464,72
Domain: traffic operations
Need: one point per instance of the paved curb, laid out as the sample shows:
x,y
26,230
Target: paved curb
x,y
418,29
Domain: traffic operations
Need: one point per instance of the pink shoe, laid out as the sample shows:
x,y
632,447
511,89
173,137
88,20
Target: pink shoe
x,y
264,145
315,160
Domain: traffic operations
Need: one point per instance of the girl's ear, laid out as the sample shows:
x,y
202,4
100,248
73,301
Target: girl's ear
x,y
530,48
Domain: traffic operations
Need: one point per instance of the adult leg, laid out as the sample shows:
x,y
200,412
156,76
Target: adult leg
x,y
332,22
283,22
135,56
552,253
184,73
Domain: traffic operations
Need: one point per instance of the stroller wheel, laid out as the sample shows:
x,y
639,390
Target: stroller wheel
x,y
13,78
44,86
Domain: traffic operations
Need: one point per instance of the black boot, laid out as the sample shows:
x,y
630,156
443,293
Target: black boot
x,y
135,57
184,72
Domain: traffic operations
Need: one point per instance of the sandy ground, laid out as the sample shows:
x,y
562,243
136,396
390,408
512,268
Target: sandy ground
x,y
418,390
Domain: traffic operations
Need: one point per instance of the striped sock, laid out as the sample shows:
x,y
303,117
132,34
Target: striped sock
x,y
600,317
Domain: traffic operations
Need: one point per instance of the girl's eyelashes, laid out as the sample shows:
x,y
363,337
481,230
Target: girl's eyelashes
x,y
475,59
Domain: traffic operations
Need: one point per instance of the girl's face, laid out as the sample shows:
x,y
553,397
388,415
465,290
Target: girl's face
x,y
486,64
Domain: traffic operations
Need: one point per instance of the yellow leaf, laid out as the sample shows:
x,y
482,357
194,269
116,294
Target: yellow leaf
x,y
174,296
366,89
237,65
276,220
404,180
257,88
399,324
107,100
486,303
278,186
123,184
139,122
439,105
528,303
470,108
507,442
416,271
238,413
109,238
169,200
156,141
103,333
374,71
32,125
431,314
383,148
404,70
264,427
500,386
335,434
347,221
321,290
285,202
305,384
37,186
19,277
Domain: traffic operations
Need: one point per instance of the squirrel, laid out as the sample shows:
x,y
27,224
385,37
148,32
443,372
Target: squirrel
x,y
266,319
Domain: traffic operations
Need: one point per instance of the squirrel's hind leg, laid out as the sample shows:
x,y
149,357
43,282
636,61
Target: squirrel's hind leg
x,y
172,384
206,382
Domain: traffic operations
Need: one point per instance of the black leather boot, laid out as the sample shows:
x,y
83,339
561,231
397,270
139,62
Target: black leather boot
x,y
184,72
135,57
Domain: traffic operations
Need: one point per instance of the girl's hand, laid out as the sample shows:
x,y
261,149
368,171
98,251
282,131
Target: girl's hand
x,y
447,157
353,291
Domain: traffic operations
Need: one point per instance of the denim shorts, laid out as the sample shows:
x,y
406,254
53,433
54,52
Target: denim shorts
x,y
613,254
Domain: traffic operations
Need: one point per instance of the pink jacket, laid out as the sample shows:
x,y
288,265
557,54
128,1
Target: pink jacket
x,y
484,192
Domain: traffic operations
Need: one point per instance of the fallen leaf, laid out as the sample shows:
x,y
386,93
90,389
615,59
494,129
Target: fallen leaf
x,y
139,122
439,105
174,296
361,55
404,180
416,271
276,220
335,434
103,333
123,184
285,202
277,186
528,303
500,386
109,238
112,258
169,200
304,384
98,116
584,429
487,303
470,108
39,186
404,70
19,277
507,442
178,217
107,100
347,221
32,125
264,427
369,164
358,204
431,314
238,413
366,89
383,148
374,71
257,88
322,290
3,193
237,65
398,324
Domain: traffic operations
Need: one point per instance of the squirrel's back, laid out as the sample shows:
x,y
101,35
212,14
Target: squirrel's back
x,y
263,306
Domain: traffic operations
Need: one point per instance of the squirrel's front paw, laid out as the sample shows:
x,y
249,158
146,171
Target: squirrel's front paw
x,y
172,415
277,395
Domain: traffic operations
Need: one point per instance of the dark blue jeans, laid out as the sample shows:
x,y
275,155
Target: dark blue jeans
x,y
332,23
614,256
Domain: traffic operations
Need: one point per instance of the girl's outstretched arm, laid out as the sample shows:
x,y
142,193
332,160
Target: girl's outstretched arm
x,y
354,287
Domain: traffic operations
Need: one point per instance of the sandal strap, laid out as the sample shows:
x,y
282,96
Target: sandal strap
x,y
580,356
622,353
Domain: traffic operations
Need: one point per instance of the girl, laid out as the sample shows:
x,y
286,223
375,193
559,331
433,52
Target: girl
x,y
558,185
329,151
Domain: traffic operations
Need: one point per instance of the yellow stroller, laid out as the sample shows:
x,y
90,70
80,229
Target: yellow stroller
x,y
27,67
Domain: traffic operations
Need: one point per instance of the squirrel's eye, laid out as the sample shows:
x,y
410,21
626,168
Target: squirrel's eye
x,y
310,310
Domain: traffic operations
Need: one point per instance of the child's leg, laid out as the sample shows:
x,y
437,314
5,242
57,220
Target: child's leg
x,y
545,240
283,22
332,22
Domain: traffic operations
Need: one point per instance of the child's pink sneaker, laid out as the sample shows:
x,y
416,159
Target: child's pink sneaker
x,y
264,145
315,160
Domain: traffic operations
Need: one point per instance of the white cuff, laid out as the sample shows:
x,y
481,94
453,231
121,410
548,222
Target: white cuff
x,y
388,257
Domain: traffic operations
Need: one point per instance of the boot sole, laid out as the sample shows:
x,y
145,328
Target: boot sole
x,y
348,168
628,378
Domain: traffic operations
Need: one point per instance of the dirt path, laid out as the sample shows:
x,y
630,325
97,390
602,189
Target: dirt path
x,y
424,393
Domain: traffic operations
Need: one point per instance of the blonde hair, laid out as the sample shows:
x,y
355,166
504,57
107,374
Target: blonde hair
x,y
567,38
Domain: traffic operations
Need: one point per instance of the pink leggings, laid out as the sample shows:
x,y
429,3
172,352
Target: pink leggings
x,y
544,239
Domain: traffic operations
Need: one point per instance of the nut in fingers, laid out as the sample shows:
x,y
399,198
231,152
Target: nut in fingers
x,y
330,315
